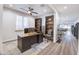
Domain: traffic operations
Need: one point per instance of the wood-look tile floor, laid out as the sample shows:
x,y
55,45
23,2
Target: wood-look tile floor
x,y
10,48
68,46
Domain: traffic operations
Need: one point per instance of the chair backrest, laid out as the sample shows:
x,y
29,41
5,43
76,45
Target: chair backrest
x,y
31,29
26,30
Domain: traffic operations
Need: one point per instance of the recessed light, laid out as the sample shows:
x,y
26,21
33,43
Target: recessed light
x,y
65,7
10,5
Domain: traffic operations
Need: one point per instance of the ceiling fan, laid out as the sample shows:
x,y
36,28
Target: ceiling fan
x,y
29,11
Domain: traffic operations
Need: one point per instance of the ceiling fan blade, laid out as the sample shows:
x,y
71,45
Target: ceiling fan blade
x,y
35,12
24,9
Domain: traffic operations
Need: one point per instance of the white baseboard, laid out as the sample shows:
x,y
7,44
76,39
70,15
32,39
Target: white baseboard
x,y
9,40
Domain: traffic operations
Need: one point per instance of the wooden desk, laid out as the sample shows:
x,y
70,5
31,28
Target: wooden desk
x,y
26,40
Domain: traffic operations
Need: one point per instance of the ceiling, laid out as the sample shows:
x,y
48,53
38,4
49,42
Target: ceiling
x,y
67,9
39,8
63,9
68,13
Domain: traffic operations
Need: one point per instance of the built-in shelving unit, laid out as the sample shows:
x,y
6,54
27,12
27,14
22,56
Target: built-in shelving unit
x,y
49,23
38,24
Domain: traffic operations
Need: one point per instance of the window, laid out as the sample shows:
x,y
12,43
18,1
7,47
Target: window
x,y
19,23
24,22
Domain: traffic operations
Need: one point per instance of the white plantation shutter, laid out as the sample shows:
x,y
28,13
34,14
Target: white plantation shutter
x,y
24,22
19,24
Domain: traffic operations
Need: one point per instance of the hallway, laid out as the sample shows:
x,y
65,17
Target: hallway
x,y
68,46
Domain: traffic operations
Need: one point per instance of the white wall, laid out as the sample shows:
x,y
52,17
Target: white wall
x,y
1,10
77,20
56,22
9,24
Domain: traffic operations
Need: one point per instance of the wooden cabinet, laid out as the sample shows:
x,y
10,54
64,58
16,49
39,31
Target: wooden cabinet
x,y
23,43
26,40
76,30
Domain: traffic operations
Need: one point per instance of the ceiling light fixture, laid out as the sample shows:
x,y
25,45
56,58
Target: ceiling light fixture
x,y
10,5
29,12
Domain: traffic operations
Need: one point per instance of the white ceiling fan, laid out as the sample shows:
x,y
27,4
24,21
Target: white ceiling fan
x,y
29,11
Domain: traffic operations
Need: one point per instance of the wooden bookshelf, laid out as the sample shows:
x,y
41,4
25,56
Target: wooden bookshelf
x,y
49,23
38,24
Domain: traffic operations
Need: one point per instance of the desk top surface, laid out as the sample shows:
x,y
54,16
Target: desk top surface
x,y
28,34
